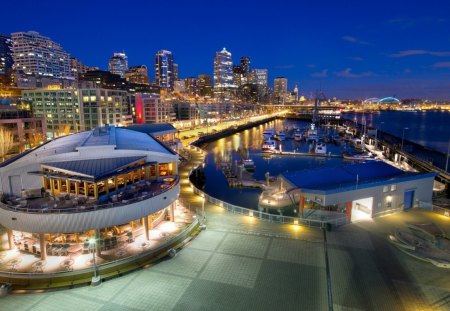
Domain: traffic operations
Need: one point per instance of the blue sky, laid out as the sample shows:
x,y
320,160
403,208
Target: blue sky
x,y
349,49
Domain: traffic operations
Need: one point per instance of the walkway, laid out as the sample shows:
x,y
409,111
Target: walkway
x,y
242,263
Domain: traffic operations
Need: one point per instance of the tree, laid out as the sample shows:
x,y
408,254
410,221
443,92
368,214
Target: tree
x,y
63,130
36,138
6,141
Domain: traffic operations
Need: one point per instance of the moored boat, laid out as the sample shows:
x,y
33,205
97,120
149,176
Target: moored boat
x,y
321,148
268,146
249,165
268,133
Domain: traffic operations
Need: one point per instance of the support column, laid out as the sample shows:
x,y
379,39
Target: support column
x,y
147,173
43,245
157,171
98,250
77,188
59,185
85,188
150,222
95,191
67,186
172,212
301,206
52,186
10,239
146,228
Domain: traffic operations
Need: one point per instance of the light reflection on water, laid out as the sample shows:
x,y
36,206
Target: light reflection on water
x,y
247,144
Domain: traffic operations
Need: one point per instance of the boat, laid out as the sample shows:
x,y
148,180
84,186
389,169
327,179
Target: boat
x,y
249,165
321,148
337,140
268,146
366,156
268,133
298,135
281,136
358,144
312,135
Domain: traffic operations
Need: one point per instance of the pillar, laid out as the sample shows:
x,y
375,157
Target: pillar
x,y
52,186
95,191
146,228
67,186
44,182
157,171
43,245
98,250
150,222
10,238
59,185
172,212
147,173
301,206
77,188
85,188
116,183
107,186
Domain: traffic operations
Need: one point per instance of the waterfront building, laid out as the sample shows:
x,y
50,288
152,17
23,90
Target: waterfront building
x,y
118,64
361,191
204,85
137,74
111,184
164,69
38,55
185,111
223,70
6,60
72,110
150,109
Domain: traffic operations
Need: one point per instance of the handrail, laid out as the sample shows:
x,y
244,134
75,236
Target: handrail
x,y
88,208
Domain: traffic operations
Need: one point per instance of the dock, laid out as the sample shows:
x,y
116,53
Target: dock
x,y
306,154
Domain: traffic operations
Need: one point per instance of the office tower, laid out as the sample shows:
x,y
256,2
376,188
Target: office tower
x,y
245,65
280,89
237,75
179,86
204,85
164,71
38,55
118,64
175,72
150,109
78,67
137,74
260,77
6,60
223,70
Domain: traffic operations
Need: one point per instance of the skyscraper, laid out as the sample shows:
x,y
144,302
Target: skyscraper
x,y
260,77
6,60
118,64
137,74
37,55
175,72
223,70
237,75
245,65
164,71
280,89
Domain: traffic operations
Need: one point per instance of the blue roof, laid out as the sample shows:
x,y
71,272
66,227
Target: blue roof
x,y
342,178
94,168
153,128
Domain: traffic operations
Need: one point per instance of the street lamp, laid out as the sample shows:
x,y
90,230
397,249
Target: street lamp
x,y
403,136
96,280
448,151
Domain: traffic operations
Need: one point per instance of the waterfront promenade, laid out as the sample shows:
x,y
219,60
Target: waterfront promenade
x,y
242,263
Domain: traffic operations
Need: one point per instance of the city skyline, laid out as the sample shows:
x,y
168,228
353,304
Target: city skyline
x,y
349,50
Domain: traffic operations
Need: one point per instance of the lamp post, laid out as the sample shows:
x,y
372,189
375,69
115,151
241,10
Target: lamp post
x,y
403,136
96,280
446,161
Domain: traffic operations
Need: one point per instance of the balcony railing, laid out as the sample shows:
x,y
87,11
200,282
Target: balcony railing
x,y
140,195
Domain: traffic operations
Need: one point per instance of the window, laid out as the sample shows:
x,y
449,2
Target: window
x,y
393,187
385,189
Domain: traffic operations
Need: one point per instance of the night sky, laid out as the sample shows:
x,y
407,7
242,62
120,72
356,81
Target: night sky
x,y
349,49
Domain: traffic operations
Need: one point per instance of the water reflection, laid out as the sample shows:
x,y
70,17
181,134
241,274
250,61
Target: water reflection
x,y
247,144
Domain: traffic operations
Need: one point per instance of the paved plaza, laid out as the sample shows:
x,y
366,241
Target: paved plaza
x,y
242,263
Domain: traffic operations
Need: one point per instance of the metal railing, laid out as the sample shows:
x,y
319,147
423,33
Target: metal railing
x,y
89,207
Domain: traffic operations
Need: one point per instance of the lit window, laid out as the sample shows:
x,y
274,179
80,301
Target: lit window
x,y
385,189
393,187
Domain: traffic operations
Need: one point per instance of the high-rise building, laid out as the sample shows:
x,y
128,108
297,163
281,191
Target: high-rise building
x,y
223,70
175,71
164,71
118,64
137,74
78,67
6,60
237,75
204,85
280,89
179,86
245,65
260,77
38,55
192,85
